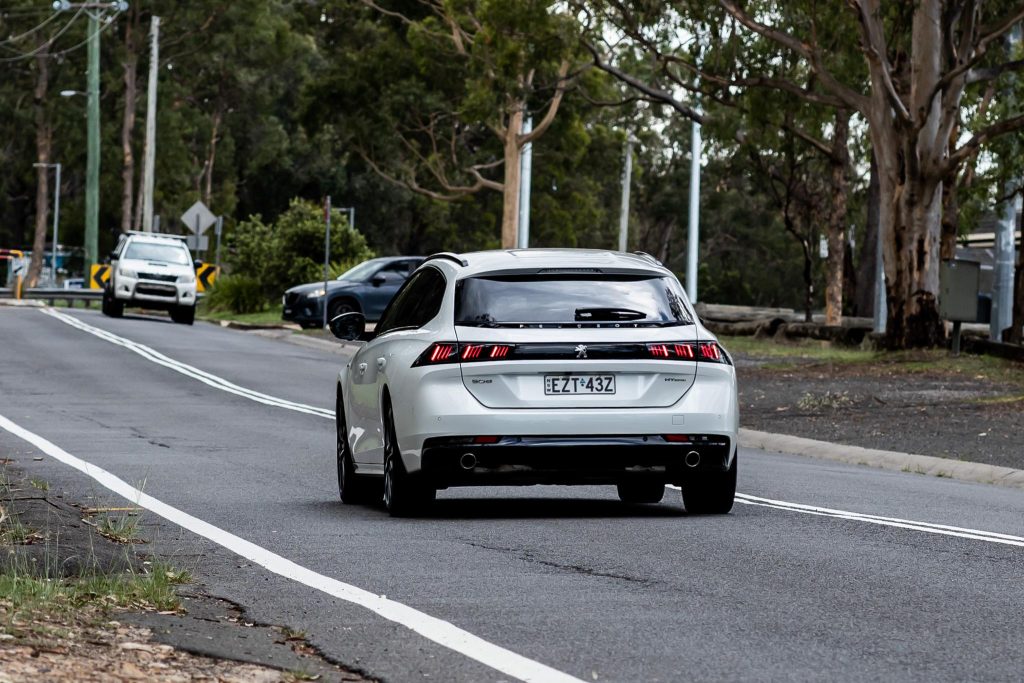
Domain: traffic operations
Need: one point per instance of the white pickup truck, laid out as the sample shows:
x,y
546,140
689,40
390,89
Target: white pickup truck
x,y
152,271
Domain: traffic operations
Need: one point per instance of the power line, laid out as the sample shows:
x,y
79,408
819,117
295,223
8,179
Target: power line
x,y
14,39
44,46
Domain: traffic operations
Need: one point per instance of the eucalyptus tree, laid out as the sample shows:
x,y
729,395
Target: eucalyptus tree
x,y
437,91
923,64
741,92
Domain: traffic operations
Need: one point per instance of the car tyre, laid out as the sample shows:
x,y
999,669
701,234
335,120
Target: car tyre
x,y
405,495
111,306
711,493
354,489
184,315
641,491
339,306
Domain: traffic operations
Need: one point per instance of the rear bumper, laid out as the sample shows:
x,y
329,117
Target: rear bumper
x,y
457,461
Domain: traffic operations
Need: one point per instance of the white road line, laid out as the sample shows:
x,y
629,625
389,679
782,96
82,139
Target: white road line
x,y
437,630
214,381
926,527
222,384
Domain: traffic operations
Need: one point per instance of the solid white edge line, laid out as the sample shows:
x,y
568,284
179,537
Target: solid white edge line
x,y
442,632
209,379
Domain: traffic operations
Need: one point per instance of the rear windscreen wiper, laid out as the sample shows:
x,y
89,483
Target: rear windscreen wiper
x,y
609,314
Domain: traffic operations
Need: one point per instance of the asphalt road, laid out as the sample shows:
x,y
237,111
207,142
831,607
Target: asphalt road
x,y
568,577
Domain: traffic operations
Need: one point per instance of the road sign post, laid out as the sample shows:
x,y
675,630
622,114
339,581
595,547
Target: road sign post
x,y
198,220
327,252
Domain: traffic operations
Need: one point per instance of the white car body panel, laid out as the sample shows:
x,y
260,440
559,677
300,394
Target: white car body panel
x,y
653,396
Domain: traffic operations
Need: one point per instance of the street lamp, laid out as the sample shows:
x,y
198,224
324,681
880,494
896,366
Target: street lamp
x,y
56,220
72,93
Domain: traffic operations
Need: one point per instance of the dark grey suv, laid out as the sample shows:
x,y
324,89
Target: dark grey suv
x,y
367,288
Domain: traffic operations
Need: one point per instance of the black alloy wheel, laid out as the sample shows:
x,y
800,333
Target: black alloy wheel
x,y
354,489
405,495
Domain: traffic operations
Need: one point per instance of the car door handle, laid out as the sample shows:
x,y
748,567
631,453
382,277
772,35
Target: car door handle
x,y
381,362
362,368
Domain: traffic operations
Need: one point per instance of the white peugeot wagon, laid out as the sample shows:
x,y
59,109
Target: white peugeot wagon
x,y
537,366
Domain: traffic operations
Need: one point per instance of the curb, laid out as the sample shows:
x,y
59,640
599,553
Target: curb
x,y
886,460
30,303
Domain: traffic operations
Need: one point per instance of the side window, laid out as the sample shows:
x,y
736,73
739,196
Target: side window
x,y
392,273
416,303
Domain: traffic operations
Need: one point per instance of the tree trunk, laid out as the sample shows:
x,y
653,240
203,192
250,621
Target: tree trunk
x,y
43,144
130,65
510,202
865,300
211,159
839,163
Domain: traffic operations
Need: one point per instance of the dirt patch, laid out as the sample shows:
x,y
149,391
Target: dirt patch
x,y
922,403
80,599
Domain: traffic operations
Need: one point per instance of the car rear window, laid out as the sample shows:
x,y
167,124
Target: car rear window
x,y
149,251
569,300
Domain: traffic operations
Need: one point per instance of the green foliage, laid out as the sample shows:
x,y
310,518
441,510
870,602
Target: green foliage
x,y
290,251
236,294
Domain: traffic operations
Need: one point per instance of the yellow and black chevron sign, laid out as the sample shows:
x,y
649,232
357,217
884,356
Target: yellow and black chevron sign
x,y
206,275
99,275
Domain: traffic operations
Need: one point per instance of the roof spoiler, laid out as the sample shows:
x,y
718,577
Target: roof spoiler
x,y
448,256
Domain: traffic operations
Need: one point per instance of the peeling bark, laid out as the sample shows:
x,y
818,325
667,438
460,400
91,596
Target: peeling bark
x,y
839,162
44,138
513,179
130,66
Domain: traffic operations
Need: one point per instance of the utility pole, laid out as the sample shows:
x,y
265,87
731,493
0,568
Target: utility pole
x,y
150,155
627,175
97,13
327,253
525,174
693,234
1002,286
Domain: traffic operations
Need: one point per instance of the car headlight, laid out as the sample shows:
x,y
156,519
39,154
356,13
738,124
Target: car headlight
x,y
187,278
124,272
317,293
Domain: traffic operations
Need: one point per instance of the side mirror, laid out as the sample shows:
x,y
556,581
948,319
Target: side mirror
x,y
112,256
197,263
348,326
377,280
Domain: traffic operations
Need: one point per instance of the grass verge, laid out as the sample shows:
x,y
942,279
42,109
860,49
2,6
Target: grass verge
x,y
270,316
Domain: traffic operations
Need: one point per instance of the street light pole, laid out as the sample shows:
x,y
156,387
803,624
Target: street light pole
x,y
150,160
627,174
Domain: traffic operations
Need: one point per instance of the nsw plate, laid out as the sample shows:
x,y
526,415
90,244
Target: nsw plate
x,y
558,385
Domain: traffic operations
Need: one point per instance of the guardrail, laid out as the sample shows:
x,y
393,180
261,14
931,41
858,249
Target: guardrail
x,y
52,294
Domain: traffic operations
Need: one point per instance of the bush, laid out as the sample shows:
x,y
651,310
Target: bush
x,y
236,293
291,250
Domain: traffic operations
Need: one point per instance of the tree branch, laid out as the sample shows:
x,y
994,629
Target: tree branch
x,y
552,110
1009,125
848,95
650,91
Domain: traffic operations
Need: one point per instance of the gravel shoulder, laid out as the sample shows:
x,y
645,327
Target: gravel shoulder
x,y
968,408
78,601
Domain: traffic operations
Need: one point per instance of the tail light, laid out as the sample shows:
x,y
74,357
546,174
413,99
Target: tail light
x,y
709,352
440,353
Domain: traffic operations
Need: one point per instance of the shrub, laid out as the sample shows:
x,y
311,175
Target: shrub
x,y
291,250
236,293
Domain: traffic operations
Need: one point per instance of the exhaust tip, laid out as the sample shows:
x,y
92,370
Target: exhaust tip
x,y
467,461
692,459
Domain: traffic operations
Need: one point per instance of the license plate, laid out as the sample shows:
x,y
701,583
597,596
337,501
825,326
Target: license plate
x,y
556,385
